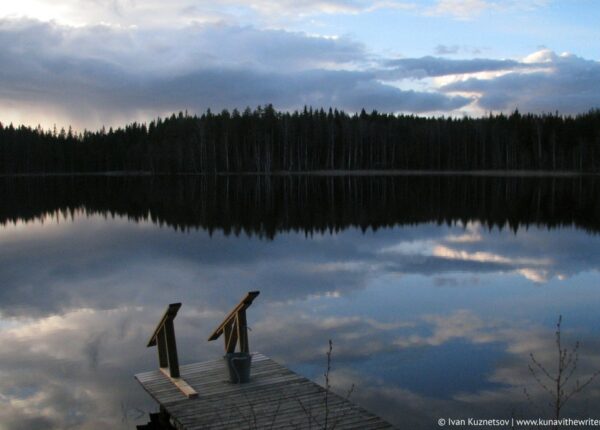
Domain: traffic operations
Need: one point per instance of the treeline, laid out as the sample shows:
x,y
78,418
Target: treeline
x,y
265,140
265,206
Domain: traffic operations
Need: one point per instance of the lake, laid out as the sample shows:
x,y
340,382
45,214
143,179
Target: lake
x,y
435,290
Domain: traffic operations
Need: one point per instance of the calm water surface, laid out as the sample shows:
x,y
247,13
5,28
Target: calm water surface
x,y
433,311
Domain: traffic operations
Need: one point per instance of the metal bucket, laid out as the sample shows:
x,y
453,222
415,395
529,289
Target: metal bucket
x,y
238,364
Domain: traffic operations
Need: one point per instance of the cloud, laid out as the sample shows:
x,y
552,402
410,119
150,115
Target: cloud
x,y
446,49
154,13
308,8
427,343
459,9
50,380
76,342
95,75
349,90
566,83
182,12
123,13
102,259
519,341
470,9
456,49
540,82
103,73
93,263
485,257
436,66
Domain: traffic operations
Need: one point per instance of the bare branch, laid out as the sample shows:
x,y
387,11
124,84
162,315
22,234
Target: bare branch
x,y
567,364
541,367
580,387
539,381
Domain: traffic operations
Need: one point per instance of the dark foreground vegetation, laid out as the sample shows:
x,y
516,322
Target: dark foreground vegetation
x,y
268,205
265,140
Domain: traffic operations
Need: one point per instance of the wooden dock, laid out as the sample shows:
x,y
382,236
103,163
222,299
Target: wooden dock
x,y
274,398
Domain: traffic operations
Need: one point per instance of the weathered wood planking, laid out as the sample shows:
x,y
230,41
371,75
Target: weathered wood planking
x,y
275,398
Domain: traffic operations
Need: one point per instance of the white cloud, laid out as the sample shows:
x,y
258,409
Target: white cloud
x,y
539,276
460,9
470,9
54,364
486,257
177,13
123,13
155,13
540,57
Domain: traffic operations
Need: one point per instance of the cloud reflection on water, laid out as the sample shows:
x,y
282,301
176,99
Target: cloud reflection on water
x,y
79,299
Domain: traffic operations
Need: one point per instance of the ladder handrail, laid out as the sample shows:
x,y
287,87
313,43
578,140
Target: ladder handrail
x,y
170,313
241,306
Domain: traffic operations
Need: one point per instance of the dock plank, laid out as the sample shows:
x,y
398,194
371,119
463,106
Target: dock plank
x,y
275,398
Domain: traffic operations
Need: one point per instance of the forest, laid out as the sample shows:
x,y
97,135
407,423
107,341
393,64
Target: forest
x,y
264,205
264,140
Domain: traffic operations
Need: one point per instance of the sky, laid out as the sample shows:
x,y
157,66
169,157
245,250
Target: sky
x,y
89,63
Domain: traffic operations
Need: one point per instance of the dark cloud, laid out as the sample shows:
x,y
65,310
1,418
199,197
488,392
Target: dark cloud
x,y
435,66
99,74
84,269
375,95
564,83
95,263
542,82
418,264
106,73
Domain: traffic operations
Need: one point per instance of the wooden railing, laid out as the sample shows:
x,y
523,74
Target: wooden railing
x,y
235,327
164,338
